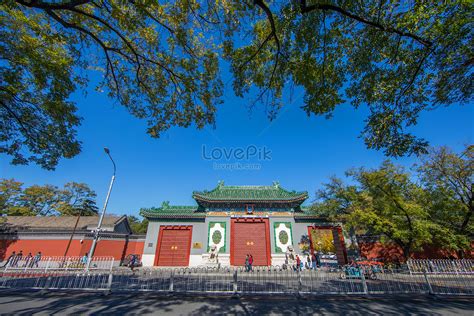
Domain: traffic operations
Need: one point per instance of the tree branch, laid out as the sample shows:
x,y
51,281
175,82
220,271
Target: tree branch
x,y
51,5
269,14
256,52
13,114
324,51
120,35
186,47
398,205
395,55
273,34
306,9
71,6
105,48
415,74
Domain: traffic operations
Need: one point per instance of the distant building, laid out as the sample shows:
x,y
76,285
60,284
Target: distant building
x,y
51,236
264,221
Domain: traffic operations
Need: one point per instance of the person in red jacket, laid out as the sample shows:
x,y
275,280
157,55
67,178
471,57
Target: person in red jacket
x,y
250,262
298,263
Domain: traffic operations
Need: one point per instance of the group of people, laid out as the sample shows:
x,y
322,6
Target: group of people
x,y
30,261
313,262
248,263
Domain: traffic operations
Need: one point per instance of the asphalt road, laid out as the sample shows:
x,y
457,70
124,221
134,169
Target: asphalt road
x,y
62,303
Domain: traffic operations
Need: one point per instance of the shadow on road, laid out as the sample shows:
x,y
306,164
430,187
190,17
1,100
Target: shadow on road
x,y
31,303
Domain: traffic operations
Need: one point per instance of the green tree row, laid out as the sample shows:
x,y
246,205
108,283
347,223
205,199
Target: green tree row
x,y
45,200
432,205
137,226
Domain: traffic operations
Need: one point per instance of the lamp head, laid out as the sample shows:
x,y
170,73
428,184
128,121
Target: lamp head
x,y
107,151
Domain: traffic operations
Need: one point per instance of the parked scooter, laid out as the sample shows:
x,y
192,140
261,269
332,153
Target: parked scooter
x,y
355,272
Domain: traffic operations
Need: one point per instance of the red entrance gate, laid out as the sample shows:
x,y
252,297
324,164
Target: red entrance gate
x,y
174,246
250,236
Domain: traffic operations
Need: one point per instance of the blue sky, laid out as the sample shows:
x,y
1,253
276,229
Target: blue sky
x,y
304,151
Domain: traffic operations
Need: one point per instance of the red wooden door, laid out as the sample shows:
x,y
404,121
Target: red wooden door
x,y
250,236
174,246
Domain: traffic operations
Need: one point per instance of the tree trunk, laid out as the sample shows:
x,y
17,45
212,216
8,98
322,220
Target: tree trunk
x,y
406,250
406,253
467,218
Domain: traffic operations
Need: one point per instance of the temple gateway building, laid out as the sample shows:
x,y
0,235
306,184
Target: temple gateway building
x,y
233,221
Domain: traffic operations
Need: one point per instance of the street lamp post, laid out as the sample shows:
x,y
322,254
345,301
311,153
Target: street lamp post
x,y
101,218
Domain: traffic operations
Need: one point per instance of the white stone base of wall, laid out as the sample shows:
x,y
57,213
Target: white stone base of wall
x,y
278,259
201,260
224,259
195,260
148,260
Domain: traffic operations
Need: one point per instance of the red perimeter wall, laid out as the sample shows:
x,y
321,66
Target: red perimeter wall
x,y
391,252
118,249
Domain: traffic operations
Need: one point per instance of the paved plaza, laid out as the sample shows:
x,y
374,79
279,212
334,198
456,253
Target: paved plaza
x,y
90,303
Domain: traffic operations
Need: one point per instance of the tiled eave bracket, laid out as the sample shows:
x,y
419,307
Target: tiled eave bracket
x,y
311,219
160,214
176,218
206,202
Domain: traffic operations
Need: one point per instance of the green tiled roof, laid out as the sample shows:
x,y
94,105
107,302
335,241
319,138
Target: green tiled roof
x,y
305,209
168,211
273,193
306,213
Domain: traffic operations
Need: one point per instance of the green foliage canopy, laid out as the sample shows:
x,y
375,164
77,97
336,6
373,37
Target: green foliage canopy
x,y
161,61
154,60
137,226
449,179
389,202
74,199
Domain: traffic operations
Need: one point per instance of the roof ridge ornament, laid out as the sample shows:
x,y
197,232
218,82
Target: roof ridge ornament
x,y
276,184
220,183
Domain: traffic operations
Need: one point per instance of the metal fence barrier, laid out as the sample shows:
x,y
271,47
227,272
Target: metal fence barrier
x,y
446,266
235,280
58,263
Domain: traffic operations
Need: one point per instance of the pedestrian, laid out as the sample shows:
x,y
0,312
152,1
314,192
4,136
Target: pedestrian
x,y
132,262
298,263
250,262
17,259
36,259
314,261
28,259
247,263
308,262
84,259
10,259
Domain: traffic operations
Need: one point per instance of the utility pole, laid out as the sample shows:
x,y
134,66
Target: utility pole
x,y
101,218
